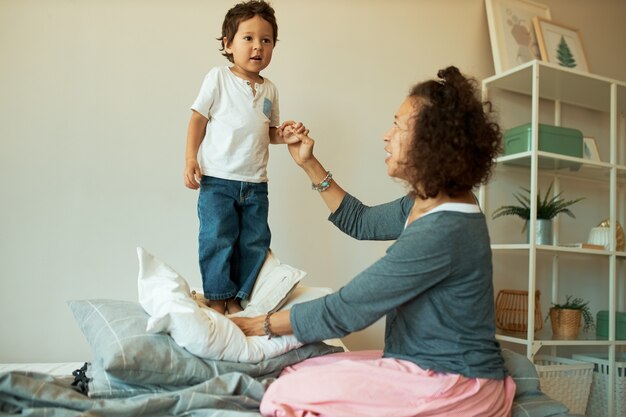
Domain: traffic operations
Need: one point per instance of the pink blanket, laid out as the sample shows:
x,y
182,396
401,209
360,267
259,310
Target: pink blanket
x,y
365,384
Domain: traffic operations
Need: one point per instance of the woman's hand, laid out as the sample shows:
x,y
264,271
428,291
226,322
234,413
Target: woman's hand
x,y
251,326
289,130
278,324
302,150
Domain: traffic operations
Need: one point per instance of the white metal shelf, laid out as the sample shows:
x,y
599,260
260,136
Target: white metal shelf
x,y
540,82
562,165
555,249
569,86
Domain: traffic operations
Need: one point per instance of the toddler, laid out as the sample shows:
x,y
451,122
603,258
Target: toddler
x,y
234,118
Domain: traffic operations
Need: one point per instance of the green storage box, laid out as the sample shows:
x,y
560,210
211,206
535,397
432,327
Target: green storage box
x,y
602,325
555,139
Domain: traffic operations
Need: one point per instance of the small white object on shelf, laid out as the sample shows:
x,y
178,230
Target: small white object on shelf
x,y
583,245
600,236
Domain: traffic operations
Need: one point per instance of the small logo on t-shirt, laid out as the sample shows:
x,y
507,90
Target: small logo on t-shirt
x,y
267,107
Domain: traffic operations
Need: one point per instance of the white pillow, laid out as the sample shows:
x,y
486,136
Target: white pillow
x,y
274,284
301,294
166,297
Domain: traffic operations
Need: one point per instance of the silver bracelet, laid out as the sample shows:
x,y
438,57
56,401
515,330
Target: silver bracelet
x,y
323,186
266,326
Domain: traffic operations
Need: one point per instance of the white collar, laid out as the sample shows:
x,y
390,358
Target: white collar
x,y
458,207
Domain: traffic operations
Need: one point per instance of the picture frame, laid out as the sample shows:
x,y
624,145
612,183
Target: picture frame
x,y
512,33
590,149
560,44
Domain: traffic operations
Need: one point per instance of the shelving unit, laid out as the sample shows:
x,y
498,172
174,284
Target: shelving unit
x,y
546,93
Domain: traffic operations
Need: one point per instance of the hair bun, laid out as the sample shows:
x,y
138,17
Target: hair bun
x,y
449,74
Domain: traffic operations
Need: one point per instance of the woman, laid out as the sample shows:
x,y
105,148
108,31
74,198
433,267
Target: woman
x,y
434,285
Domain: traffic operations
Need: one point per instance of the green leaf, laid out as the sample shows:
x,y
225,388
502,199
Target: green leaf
x,y
547,207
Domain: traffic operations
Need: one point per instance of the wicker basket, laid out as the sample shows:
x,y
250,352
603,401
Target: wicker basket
x,y
565,322
512,311
565,380
598,405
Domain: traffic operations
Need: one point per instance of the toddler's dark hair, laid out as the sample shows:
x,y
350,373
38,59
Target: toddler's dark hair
x,y
244,11
455,138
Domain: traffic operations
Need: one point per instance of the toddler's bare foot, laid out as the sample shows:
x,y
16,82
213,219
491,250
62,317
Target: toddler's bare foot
x,y
217,305
233,306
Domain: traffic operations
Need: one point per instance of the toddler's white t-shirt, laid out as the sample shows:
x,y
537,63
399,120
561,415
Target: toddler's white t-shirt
x,y
235,146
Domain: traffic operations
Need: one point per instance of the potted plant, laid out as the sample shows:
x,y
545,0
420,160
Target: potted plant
x,y
566,317
547,209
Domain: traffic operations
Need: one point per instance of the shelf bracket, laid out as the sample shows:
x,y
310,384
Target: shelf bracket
x,y
535,346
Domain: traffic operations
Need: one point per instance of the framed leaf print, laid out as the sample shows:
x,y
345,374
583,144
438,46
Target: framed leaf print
x,y
560,44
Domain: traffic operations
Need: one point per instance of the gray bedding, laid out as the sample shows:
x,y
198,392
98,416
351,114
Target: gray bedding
x,y
136,373
234,394
140,374
227,389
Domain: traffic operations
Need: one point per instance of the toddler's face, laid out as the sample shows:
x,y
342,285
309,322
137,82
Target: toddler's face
x,y
252,46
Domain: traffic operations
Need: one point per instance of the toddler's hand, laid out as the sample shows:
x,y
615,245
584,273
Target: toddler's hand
x,y
192,174
290,130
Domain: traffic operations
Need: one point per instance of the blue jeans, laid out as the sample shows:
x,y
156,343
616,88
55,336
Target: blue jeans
x,y
234,236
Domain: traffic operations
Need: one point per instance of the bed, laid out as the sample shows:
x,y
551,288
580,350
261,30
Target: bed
x,y
61,389
153,376
140,372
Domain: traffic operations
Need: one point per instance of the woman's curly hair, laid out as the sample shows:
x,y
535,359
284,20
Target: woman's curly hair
x,y
455,139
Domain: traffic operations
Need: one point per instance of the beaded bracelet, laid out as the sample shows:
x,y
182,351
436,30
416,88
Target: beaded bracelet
x,y
266,326
323,186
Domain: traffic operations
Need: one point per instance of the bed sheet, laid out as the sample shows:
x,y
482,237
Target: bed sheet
x,y
229,390
35,394
57,369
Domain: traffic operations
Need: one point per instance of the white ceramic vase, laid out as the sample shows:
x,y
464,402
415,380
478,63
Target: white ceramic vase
x,y
600,236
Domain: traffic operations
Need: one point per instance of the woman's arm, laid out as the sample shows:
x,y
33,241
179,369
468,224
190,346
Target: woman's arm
x,y
302,154
382,222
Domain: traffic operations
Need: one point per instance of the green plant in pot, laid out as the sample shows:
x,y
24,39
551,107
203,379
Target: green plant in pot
x,y
566,318
547,208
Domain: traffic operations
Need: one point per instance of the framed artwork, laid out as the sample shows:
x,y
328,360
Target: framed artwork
x,y
590,150
560,44
511,30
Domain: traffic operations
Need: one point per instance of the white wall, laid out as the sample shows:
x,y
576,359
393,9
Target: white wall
x,y
94,102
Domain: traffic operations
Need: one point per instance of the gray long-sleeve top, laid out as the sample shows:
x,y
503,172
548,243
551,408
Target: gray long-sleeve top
x,y
434,285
